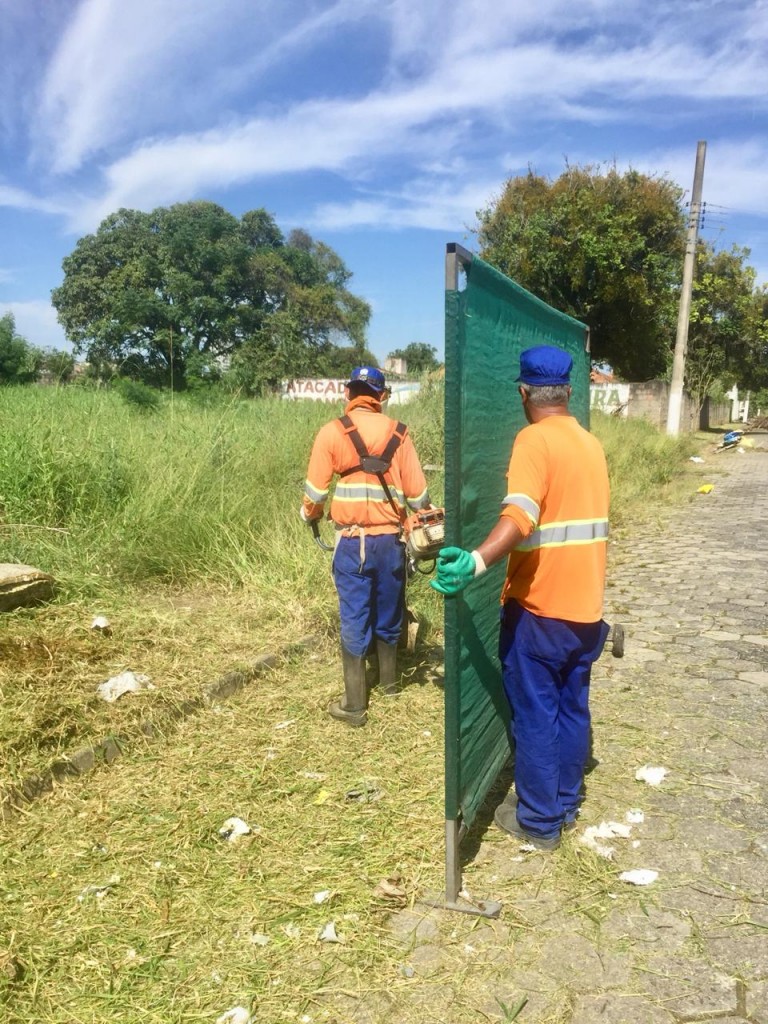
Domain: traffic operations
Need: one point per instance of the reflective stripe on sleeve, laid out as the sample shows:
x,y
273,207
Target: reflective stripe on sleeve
x,y
580,531
314,494
420,501
528,505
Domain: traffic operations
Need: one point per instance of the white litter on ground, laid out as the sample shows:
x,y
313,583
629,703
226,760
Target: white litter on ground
x,y
101,623
258,939
653,776
640,876
126,682
328,933
322,896
695,458
234,828
284,725
635,816
605,830
317,776
98,891
237,1015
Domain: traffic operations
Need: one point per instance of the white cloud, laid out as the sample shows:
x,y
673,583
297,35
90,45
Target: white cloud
x,y
20,199
434,203
124,70
36,322
113,61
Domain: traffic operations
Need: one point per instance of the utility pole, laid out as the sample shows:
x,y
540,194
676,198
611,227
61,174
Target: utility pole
x,y
681,341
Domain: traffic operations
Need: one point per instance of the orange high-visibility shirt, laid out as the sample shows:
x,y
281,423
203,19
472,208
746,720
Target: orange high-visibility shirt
x,y
359,499
558,495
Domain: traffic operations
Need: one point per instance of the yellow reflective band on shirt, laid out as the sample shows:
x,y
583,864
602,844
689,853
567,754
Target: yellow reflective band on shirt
x,y
579,531
314,494
366,492
528,505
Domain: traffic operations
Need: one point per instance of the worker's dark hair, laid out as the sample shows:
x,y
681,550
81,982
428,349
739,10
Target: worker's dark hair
x,y
555,394
357,388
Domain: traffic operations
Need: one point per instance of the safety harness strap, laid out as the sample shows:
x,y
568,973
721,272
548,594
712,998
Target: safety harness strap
x,y
376,465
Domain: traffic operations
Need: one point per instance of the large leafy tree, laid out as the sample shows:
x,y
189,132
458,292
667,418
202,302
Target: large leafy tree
x,y
19,361
604,247
182,293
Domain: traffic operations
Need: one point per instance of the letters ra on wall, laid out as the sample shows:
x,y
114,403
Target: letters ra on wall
x,y
609,398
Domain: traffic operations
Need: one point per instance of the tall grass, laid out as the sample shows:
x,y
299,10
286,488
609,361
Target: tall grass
x,y
643,464
95,490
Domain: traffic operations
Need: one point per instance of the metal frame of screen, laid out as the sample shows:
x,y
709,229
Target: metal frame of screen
x,y
461,808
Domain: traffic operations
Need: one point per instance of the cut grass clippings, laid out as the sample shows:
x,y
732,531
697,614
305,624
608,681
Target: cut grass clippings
x,y
120,901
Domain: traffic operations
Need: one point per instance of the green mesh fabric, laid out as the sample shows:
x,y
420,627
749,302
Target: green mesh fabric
x,y
487,325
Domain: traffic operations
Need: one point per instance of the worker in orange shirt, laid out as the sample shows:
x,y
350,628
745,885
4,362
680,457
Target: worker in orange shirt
x,y
553,528
368,509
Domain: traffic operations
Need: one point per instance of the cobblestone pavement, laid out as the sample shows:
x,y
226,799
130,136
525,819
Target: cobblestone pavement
x,y
691,695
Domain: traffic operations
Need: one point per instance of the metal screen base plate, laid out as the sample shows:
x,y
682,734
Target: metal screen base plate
x,y
482,908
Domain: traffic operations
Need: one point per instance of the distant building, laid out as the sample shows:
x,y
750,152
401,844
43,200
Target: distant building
x,y
397,366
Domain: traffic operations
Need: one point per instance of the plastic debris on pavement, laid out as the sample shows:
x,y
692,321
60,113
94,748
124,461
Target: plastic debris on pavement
x,y
640,876
125,682
328,933
234,829
705,488
237,1015
98,891
653,776
635,816
592,836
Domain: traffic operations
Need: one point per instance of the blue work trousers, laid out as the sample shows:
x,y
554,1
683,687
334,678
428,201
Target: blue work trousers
x,y
371,588
546,666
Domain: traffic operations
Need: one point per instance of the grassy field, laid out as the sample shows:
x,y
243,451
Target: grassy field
x,y
181,526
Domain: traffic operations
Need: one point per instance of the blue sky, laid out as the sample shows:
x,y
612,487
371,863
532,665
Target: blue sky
x,y
381,126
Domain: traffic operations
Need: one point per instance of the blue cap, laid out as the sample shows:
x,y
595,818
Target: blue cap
x,y
369,375
545,366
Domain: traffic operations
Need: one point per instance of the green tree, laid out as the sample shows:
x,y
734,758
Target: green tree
x,y
58,364
188,292
604,247
725,334
19,361
419,357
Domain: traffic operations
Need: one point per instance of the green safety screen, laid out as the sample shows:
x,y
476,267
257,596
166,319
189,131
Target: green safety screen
x,y
487,326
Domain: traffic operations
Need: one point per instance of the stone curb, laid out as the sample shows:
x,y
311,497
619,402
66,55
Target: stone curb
x,y
110,748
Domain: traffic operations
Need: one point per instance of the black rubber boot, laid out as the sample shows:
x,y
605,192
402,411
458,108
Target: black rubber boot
x,y
351,706
387,669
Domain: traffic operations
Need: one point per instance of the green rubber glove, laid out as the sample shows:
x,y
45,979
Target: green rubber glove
x,y
456,569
